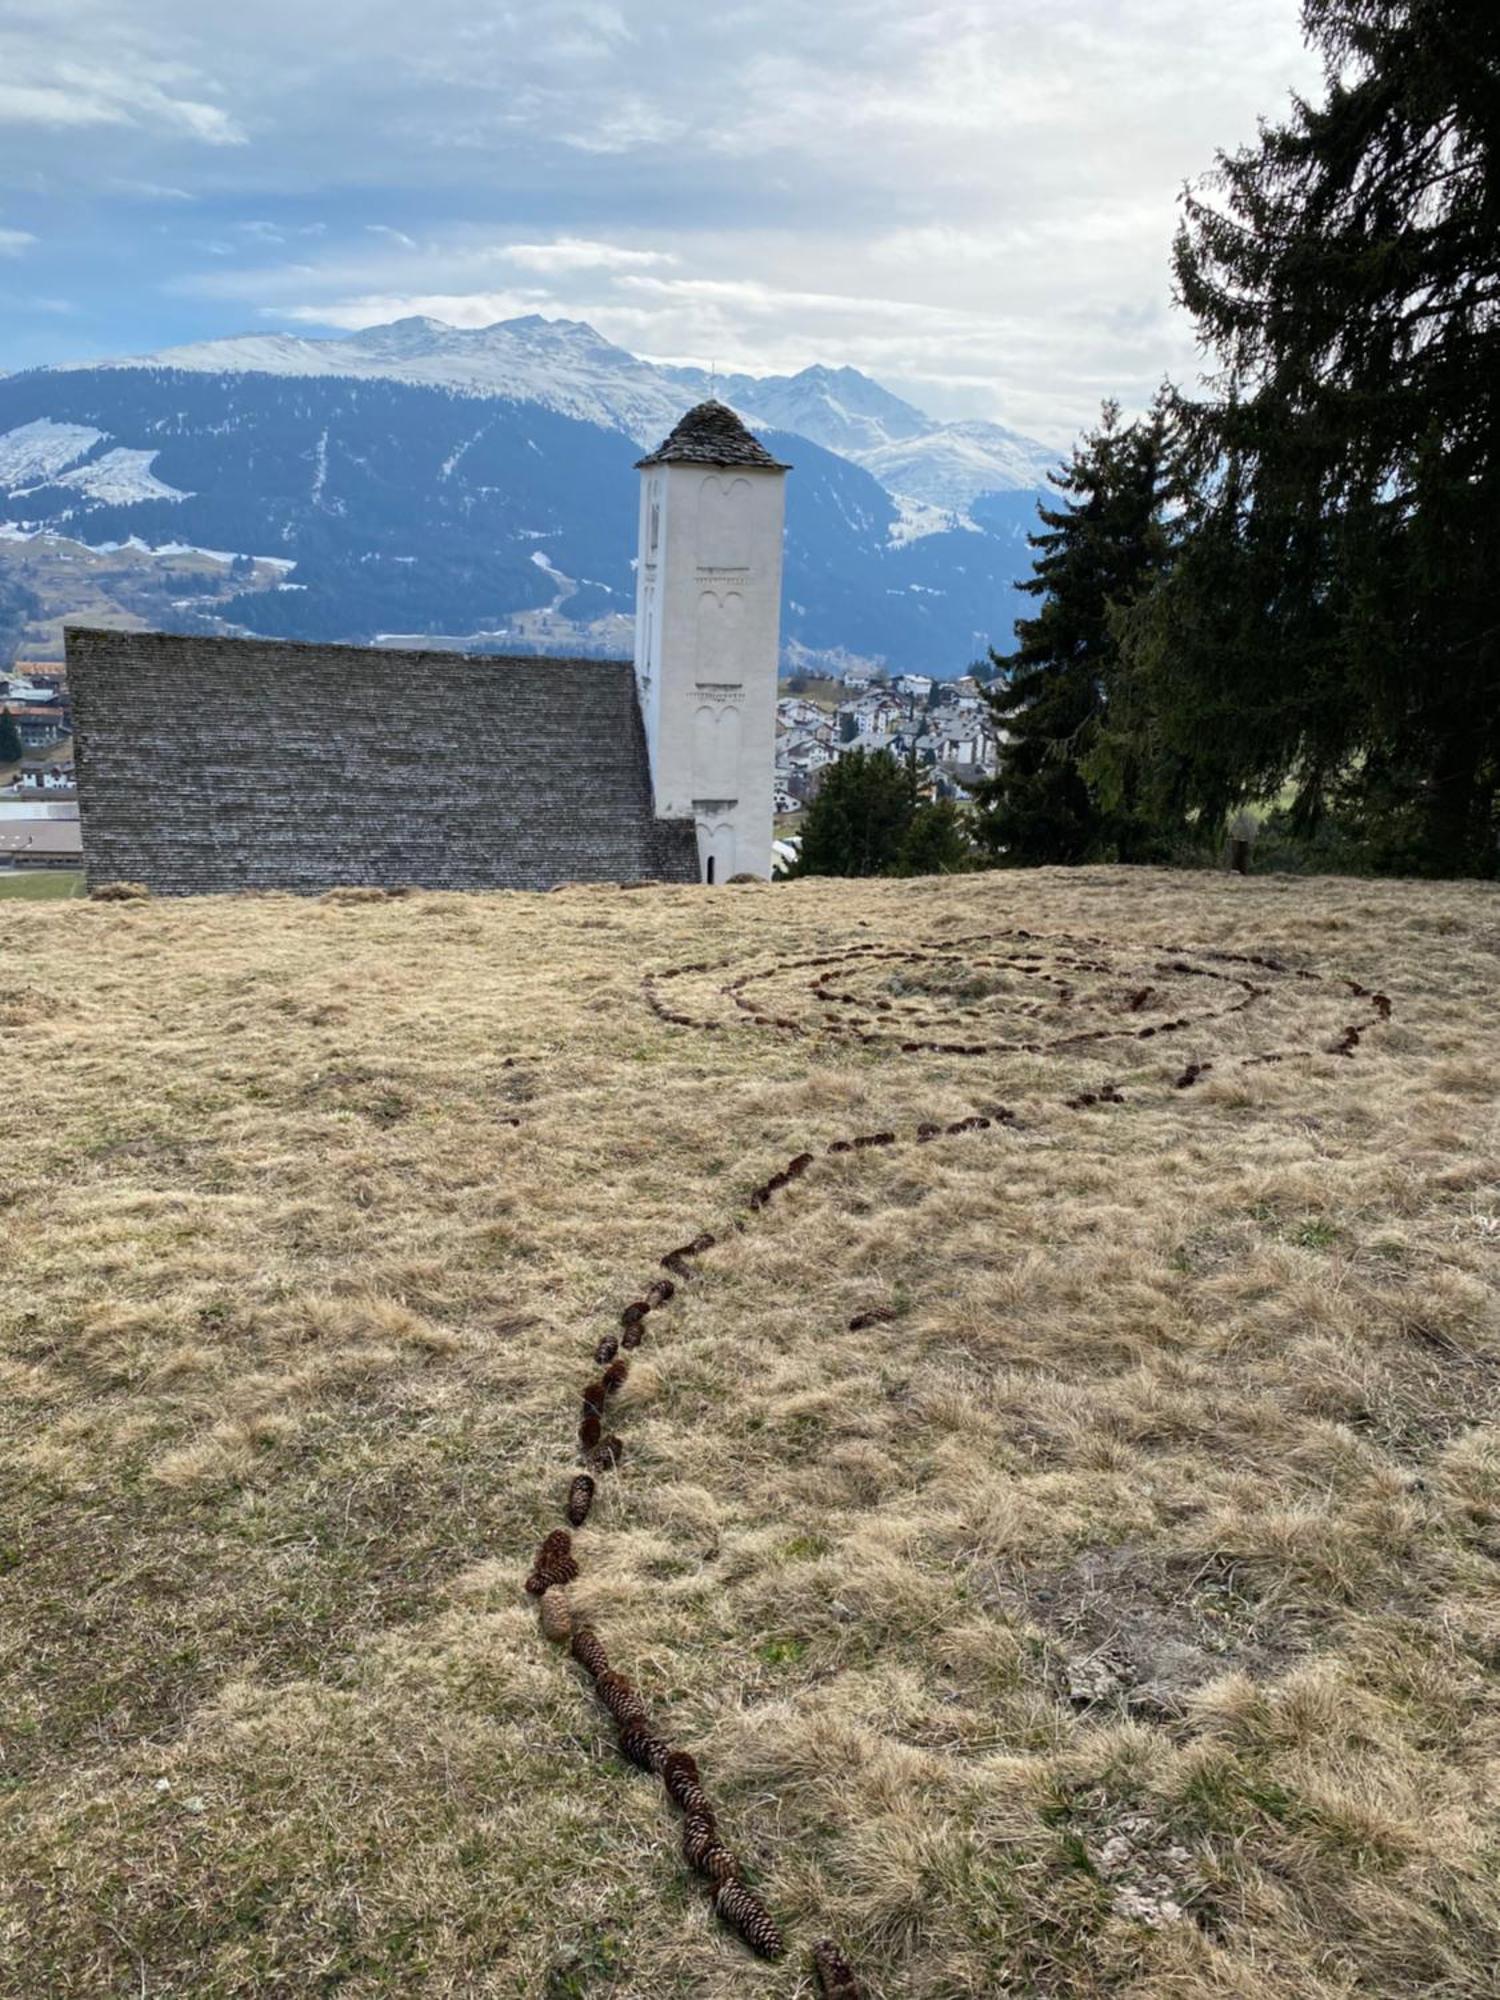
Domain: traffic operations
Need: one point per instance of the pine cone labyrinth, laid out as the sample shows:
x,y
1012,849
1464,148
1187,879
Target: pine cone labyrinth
x,y
1013,993
995,995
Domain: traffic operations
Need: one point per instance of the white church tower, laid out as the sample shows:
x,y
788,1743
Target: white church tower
x,y
707,634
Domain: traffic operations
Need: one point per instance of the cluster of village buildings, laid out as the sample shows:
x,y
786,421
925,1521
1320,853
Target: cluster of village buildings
x,y
946,725
39,825
36,699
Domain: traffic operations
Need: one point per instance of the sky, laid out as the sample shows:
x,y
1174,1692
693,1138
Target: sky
x,y
972,201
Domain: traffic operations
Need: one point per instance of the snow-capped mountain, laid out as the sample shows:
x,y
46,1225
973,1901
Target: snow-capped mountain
x,y
953,465
561,364
423,480
564,365
837,408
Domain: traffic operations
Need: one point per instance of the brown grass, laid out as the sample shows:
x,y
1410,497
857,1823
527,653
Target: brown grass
x,y
1112,1611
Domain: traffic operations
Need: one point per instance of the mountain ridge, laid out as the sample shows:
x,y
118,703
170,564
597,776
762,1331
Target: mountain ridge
x,y
568,366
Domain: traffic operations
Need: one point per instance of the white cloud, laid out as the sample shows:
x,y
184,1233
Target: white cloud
x,y
148,190
972,198
573,253
14,241
80,67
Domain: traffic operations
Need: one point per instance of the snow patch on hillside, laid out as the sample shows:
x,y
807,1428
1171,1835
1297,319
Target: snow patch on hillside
x,y
33,454
917,518
122,478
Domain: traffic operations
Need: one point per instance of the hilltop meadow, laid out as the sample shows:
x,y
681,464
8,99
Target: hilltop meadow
x,y
1068,1543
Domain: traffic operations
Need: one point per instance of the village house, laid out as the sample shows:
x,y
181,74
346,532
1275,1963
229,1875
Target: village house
x,y
55,778
40,843
37,698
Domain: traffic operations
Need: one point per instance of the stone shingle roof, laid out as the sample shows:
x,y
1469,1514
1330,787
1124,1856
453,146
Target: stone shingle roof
x,y
711,434
208,765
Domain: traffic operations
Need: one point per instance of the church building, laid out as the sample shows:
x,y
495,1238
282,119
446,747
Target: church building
x,y
208,765
707,633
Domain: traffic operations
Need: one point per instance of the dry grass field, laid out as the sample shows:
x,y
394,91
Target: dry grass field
x,y
1070,1546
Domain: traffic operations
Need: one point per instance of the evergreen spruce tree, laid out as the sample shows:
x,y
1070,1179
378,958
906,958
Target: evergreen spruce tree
x,y
10,739
936,841
859,817
1067,789
1333,620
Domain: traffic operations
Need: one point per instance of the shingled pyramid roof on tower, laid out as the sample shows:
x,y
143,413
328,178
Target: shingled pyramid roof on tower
x,y
711,434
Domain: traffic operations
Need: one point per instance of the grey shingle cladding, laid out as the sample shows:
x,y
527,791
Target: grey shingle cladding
x,y
207,765
711,434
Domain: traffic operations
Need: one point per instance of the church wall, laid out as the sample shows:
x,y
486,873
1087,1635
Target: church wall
x,y
207,765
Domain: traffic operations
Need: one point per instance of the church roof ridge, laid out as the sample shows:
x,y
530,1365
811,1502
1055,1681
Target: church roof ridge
x,y
712,434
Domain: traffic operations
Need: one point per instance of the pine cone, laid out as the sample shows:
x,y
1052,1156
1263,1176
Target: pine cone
x,y
677,1773
557,1620
607,1349
635,1312
643,1749
615,1374
588,1651
735,1906
554,1563
554,1545
621,1699
658,1293
695,1803
608,1454
836,1978
580,1499
593,1397
632,1335
699,1834
588,1430
719,1865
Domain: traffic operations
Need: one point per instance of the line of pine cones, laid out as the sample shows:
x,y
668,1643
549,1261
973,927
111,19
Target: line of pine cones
x,y
738,1906
555,1567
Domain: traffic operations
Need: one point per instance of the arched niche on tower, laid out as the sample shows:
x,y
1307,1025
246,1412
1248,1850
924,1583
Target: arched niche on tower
x,y
724,522
716,751
721,635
